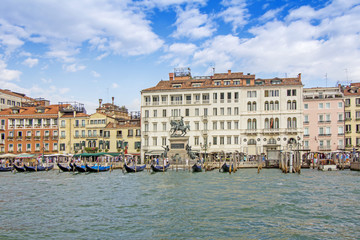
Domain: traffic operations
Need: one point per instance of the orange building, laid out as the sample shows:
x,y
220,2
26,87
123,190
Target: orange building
x,y
29,129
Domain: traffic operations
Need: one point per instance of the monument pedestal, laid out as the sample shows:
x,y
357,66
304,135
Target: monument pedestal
x,y
177,150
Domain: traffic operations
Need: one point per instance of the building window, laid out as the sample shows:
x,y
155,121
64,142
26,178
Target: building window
x,y
340,105
214,140
306,106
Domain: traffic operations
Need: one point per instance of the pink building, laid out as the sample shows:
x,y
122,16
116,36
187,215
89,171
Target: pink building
x,y
323,119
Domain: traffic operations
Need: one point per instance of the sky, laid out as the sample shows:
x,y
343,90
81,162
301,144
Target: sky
x,y
87,50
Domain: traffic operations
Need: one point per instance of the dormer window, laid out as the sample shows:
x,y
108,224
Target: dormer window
x,y
276,81
259,82
15,111
236,82
217,83
196,85
226,83
176,85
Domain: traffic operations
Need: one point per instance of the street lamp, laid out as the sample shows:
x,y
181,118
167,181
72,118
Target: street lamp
x,y
205,147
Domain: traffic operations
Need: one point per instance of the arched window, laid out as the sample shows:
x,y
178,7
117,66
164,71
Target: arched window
x,y
252,142
266,106
254,106
289,123
293,105
267,126
272,123
254,124
276,105
249,106
89,143
289,105
249,124
276,123
272,106
272,141
294,123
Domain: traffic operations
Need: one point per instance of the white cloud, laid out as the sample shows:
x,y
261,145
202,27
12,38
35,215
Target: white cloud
x,y
192,24
31,62
73,67
114,85
44,80
122,28
95,74
6,74
235,13
271,14
179,54
293,46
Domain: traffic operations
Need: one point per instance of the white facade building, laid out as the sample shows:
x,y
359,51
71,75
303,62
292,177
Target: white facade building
x,y
228,112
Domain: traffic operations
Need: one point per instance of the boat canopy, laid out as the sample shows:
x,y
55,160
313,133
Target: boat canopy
x,y
97,154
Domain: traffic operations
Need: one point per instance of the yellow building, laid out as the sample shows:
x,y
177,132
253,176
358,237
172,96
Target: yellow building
x,y
352,116
124,136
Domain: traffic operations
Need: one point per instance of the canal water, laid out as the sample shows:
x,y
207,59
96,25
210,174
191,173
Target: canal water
x,y
180,205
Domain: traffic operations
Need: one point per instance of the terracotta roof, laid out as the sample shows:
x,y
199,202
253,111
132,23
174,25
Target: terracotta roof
x,y
125,125
19,95
71,115
31,112
210,82
352,90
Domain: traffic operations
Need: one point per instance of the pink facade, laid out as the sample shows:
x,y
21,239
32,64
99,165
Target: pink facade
x,y
323,119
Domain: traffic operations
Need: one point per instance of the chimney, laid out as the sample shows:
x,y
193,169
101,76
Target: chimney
x,y
171,76
229,72
299,76
100,101
112,100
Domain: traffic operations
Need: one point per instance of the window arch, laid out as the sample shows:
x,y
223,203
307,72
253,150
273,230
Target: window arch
x,y
293,105
267,125
249,124
289,123
276,105
271,105
254,106
289,105
254,124
252,142
266,107
272,141
249,106
276,123
294,123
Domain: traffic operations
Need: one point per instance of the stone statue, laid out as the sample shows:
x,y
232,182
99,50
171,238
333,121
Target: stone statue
x,y
191,154
166,150
179,126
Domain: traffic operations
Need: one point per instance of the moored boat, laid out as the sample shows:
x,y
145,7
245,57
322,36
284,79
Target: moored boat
x,y
158,168
132,169
65,168
81,168
97,168
5,169
19,169
38,168
226,168
327,165
196,168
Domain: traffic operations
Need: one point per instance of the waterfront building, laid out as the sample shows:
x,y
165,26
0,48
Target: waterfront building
x,y
226,112
324,119
12,99
29,129
352,116
110,129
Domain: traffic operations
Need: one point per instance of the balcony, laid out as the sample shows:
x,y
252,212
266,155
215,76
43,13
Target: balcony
x,y
306,122
207,101
176,103
306,135
348,119
2,141
19,138
37,138
156,103
55,137
272,131
205,118
306,148
10,138
291,131
204,132
2,127
145,133
324,148
252,131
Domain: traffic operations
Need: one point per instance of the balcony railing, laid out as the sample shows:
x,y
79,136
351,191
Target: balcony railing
x,y
251,131
325,148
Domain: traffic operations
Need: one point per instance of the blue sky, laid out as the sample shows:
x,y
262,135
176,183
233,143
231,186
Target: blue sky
x,y
85,50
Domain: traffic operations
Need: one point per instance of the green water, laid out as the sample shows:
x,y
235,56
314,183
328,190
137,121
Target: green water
x,y
180,205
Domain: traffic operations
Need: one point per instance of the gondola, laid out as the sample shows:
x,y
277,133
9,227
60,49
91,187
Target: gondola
x,y
97,168
66,168
38,168
209,168
81,168
196,168
132,169
158,168
226,168
5,169
19,169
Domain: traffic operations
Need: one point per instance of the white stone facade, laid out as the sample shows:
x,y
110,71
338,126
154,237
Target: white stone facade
x,y
246,116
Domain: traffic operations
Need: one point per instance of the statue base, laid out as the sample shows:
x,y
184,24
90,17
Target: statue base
x,y
177,153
